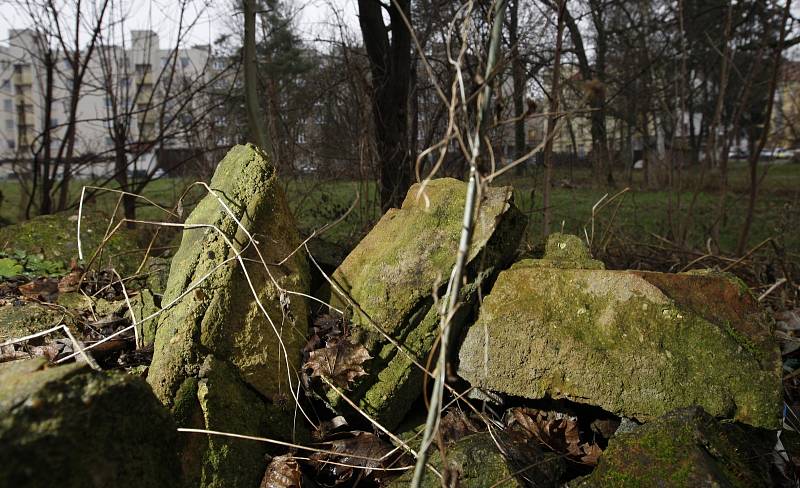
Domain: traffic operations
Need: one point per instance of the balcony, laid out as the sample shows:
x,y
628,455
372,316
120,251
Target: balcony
x,y
22,76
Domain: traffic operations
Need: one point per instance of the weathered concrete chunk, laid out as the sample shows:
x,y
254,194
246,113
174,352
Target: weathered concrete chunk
x,y
142,304
638,344
475,462
222,319
24,318
74,427
394,271
566,251
685,448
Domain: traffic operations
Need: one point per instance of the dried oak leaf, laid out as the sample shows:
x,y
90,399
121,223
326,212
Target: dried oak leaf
x,y
40,288
72,281
558,432
282,472
364,449
592,453
340,361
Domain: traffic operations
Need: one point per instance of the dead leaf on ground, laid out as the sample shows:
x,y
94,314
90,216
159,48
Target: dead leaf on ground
x,y
72,281
364,449
13,352
455,424
557,431
40,288
282,472
340,361
326,328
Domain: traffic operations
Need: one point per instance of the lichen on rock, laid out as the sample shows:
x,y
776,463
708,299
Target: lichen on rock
x,y
394,271
637,344
564,251
83,428
474,461
24,318
222,319
687,447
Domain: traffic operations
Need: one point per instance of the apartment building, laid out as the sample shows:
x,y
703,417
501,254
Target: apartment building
x,y
133,97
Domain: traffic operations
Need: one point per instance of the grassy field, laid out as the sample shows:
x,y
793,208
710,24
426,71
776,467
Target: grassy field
x,y
642,213
639,214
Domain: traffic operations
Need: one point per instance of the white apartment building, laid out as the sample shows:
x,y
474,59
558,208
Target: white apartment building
x,y
139,86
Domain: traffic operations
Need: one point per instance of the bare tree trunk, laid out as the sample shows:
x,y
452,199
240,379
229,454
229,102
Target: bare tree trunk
x,y
518,77
754,155
594,80
551,123
255,118
390,65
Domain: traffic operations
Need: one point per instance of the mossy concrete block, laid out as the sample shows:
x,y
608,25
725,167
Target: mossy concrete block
x,y
221,317
157,269
54,237
25,318
638,344
394,271
565,251
83,429
474,459
687,447
142,305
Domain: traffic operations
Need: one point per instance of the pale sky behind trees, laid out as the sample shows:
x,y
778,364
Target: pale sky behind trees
x,y
213,18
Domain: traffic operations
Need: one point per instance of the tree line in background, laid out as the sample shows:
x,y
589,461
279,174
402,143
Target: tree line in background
x,y
675,88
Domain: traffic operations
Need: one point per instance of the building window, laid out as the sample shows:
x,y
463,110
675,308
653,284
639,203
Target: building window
x,y
108,102
11,144
53,122
8,105
10,124
184,62
7,84
219,64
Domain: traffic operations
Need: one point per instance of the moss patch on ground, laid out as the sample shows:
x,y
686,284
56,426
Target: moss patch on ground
x,y
54,238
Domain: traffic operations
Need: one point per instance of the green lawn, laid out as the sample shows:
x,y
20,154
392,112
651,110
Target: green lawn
x,y
639,215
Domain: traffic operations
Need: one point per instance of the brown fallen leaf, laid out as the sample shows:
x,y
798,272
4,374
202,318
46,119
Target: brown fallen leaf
x,y
340,361
592,453
282,472
72,281
40,288
11,353
364,449
556,431
455,424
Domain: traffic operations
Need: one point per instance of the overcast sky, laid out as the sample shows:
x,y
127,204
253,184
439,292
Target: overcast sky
x,y
213,18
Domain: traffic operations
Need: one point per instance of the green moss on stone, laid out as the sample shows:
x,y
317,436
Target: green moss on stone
x,y
394,271
217,359
86,428
563,251
615,340
19,320
476,462
685,448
